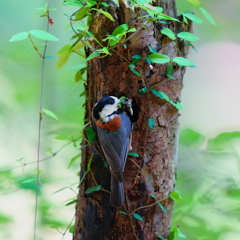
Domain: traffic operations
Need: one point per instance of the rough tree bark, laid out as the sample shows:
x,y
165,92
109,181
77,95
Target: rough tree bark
x,y
153,172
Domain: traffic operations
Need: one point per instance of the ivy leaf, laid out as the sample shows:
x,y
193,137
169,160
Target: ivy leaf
x,y
120,29
49,113
93,189
178,232
158,58
188,36
162,207
156,93
142,90
19,36
189,44
123,212
71,229
108,15
169,71
137,216
64,54
93,55
78,76
183,61
192,17
175,195
152,49
91,135
177,105
151,123
133,154
43,35
71,202
134,70
168,32
74,159
159,236
208,16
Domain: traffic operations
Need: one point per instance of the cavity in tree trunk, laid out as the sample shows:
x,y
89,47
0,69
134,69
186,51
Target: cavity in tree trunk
x,y
153,172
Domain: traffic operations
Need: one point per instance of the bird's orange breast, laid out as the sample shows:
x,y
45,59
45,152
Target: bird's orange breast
x,y
113,125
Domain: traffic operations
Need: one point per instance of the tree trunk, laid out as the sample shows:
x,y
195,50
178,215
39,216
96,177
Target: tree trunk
x,y
154,171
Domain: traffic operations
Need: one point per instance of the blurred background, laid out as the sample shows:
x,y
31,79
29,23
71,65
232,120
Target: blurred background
x,y
208,169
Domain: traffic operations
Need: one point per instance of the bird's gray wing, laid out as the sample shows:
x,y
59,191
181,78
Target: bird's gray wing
x,y
115,145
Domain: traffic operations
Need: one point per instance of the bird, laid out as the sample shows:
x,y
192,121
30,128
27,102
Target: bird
x,y
114,125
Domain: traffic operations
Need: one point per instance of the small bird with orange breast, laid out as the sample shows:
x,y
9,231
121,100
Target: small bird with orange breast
x,y
114,126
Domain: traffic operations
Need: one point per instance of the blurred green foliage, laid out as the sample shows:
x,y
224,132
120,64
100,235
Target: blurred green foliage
x,y
208,179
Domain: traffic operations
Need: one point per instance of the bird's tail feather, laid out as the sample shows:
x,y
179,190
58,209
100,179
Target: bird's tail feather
x,y
117,192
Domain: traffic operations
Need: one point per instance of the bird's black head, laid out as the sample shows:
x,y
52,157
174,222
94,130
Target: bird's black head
x,y
105,106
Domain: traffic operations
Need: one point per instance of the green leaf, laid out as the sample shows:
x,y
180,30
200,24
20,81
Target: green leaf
x,y
191,139
93,55
223,142
120,29
208,16
93,189
156,93
169,71
142,90
78,76
152,49
151,123
159,204
183,61
135,71
19,36
108,15
64,54
105,163
133,154
71,229
73,160
163,16
137,216
162,207
159,236
49,113
189,44
91,135
168,32
137,57
104,4
123,212
175,195
71,202
43,35
29,180
195,2
188,36
179,234
177,105
192,17
158,58
48,150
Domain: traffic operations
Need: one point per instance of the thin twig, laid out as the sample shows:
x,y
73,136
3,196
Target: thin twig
x,y
150,205
68,227
39,130
41,160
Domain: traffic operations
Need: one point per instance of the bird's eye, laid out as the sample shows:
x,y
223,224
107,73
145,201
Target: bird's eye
x,y
112,101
